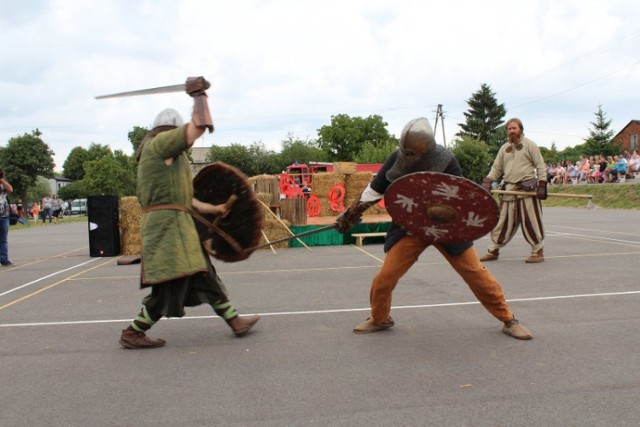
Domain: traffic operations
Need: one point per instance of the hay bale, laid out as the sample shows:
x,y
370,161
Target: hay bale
x,y
354,186
322,184
345,168
272,227
129,224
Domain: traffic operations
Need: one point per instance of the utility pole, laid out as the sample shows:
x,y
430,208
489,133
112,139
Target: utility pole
x,y
440,115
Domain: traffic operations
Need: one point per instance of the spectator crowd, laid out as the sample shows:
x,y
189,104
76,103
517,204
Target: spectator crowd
x,y
595,169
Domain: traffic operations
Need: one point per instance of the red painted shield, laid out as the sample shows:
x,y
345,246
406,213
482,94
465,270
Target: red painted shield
x,y
442,208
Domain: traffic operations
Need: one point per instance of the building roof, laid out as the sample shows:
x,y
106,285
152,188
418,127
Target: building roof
x,y
199,154
626,126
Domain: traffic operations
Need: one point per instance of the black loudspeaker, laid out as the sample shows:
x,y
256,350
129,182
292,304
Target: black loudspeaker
x,y
104,234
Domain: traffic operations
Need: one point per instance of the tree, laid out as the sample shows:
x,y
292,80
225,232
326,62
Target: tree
x,y
104,176
73,190
484,117
128,179
252,160
236,155
37,192
473,156
376,154
73,167
550,154
25,158
346,136
264,161
136,135
301,151
600,137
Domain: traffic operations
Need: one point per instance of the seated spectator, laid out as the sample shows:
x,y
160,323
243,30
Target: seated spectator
x,y
610,172
560,176
602,165
572,173
585,169
633,164
621,167
551,172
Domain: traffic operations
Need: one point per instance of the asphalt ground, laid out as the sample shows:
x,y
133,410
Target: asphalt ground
x,y
445,363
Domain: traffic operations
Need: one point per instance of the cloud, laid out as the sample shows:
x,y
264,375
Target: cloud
x,y
281,66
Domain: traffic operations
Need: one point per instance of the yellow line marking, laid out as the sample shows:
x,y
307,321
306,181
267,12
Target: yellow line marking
x,y
367,253
53,285
39,260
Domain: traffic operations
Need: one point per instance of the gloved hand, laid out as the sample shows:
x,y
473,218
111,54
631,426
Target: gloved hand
x,y
196,86
347,219
486,183
541,192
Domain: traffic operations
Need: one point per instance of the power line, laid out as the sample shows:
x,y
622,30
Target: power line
x,y
578,86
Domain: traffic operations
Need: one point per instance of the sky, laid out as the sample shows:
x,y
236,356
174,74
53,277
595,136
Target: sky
x,y
282,68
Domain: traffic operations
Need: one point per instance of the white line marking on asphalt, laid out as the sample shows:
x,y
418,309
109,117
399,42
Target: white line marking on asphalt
x,y
345,310
632,243
46,277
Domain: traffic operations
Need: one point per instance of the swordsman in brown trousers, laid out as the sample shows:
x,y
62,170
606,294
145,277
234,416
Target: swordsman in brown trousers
x,y
418,152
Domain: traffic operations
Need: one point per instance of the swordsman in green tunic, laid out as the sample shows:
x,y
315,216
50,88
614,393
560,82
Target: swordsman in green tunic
x,y
174,263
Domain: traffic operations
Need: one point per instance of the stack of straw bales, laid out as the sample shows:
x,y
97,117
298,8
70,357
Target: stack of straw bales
x,y
322,183
272,227
130,219
345,168
354,186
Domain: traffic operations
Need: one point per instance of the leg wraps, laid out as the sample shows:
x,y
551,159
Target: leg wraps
x,y
144,321
225,309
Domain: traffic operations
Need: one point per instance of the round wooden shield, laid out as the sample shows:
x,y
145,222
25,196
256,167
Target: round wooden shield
x,y
439,207
215,184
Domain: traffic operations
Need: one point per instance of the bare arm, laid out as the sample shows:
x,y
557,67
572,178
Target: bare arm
x,y
208,208
8,188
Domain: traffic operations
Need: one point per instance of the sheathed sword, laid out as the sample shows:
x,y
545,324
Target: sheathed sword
x,y
151,91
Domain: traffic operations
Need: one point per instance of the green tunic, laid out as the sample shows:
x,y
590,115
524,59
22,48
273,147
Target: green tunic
x,y
171,247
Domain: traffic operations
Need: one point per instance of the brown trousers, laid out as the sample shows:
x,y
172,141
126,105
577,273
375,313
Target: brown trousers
x,y
467,264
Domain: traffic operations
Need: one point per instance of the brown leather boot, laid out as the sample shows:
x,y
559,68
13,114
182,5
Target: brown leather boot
x,y
490,255
514,329
368,327
242,325
138,340
536,258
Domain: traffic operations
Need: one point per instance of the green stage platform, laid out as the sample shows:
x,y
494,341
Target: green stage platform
x,y
333,237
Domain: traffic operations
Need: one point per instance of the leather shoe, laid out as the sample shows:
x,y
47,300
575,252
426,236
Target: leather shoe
x,y
514,329
242,325
490,256
535,258
368,327
138,340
